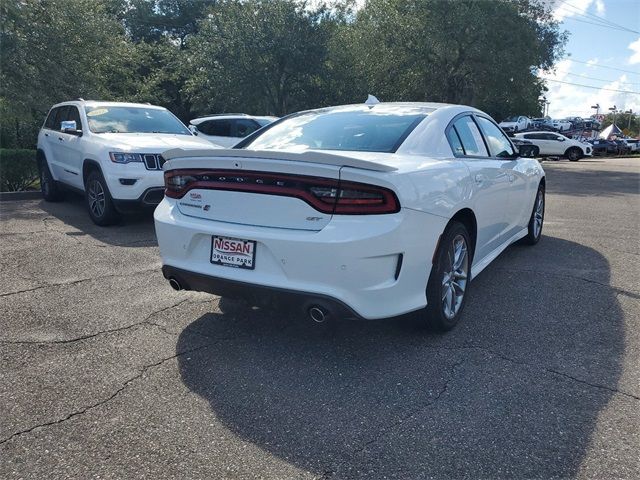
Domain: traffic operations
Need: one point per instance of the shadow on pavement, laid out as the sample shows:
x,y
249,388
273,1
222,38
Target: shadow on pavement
x,y
499,396
132,231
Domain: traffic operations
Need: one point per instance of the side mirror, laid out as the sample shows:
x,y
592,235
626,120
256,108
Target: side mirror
x,y
525,150
69,127
193,129
561,139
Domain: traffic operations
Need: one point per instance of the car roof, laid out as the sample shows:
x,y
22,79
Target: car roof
x,y
99,103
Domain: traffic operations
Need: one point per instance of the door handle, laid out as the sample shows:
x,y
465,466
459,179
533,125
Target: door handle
x,y
46,134
480,178
61,139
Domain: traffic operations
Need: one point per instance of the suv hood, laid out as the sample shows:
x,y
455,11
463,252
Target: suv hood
x,y
153,142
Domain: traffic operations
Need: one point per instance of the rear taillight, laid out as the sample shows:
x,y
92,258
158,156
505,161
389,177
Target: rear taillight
x,y
324,194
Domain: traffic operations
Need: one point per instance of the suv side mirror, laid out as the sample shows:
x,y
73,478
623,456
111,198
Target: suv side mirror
x,y
69,127
193,129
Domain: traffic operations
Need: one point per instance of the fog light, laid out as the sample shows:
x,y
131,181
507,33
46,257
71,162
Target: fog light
x,y
128,181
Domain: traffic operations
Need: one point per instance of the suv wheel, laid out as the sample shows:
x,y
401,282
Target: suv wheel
x,y
51,191
99,203
574,154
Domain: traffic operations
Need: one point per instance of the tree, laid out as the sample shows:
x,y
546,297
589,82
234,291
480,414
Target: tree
x,y
483,53
259,56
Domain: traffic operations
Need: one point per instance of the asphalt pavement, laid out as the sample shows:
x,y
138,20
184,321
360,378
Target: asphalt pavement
x,y
106,372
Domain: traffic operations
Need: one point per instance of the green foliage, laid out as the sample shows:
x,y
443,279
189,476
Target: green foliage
x,y
18,169
269,56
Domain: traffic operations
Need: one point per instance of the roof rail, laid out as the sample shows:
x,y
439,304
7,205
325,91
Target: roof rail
x,y
80,99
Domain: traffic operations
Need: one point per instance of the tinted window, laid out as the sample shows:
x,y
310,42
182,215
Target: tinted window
x,y
471,137
61,116
535,136
245,127
454,141
116,119
370,130
51,119
499,144
219,128
73,114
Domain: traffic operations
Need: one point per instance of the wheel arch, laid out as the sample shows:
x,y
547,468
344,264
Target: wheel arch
x,y
89,166
466,217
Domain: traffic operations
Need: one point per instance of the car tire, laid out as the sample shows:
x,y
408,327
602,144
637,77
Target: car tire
x,y
99,202
573,154
51,190
535,152
448,283
536,221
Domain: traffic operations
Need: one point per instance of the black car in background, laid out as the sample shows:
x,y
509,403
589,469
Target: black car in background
x,y
604,147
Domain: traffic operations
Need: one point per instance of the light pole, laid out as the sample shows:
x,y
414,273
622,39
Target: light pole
x,y
614,110
597,107
630,112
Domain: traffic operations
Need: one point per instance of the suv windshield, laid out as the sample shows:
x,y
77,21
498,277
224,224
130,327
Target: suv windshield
x,y
110,119
365,131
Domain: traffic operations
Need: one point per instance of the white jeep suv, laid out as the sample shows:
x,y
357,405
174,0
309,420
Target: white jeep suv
x,y
111,152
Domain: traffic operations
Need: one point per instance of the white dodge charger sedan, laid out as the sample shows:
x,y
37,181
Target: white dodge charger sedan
x,y
366,211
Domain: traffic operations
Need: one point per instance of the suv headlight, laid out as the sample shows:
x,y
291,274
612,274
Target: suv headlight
x,y
121,157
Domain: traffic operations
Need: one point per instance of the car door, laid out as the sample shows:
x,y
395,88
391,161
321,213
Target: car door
x,y
68,148
490,183
556,144
518,205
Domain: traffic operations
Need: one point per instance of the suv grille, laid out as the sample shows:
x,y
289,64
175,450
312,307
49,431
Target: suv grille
x,y
153,161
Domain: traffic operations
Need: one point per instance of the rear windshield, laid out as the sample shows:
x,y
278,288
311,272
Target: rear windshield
x,y
361,131
110,119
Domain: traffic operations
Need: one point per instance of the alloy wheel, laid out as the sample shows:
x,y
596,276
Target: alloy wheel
x,y
97,200
538,214
454,280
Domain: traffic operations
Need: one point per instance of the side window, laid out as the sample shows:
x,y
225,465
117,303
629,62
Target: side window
x,y
245,127
60,117
499,144
454,141
50,122
470,137
219,128
74,114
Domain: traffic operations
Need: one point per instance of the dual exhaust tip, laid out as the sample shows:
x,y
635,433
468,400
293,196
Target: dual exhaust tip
x,y
316,313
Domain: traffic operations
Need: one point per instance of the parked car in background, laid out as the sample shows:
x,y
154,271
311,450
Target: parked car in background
x,y
623,147
229,128
561,125
515,124
542,124
110,151
369,210
555,144
525,147
604,147
632,143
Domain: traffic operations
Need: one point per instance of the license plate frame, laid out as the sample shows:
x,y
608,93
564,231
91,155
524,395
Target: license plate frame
x,y
233,259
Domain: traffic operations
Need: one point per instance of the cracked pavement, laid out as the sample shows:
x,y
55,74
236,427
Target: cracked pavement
x,y
106,372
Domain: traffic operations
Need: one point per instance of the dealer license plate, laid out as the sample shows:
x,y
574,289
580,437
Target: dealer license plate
x,y
233,252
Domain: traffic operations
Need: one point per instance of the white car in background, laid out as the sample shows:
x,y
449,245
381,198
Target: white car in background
x,y
561,125
110,152
515,124
555,144
228,129
632,142
366,211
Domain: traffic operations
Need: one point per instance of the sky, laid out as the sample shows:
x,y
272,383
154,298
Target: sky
x,y
601,58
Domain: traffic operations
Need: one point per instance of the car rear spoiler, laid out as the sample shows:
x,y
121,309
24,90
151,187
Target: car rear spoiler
x,y
309,156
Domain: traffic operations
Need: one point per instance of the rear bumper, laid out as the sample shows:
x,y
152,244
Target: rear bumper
x,y
377,266
257,293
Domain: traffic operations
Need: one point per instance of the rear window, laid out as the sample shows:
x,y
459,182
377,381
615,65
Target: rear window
x,y
364,131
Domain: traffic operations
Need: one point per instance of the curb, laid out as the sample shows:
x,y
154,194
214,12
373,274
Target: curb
x,y
11,196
